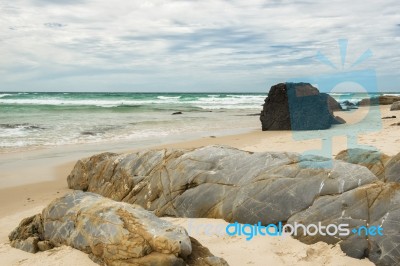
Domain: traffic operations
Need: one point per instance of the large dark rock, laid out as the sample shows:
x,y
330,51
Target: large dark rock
x,y
222,182
333,105
298,106
112,233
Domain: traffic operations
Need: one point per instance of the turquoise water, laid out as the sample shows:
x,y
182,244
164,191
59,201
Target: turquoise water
x,y
29,120
131,101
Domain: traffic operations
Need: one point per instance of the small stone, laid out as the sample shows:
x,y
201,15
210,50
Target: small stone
x,y
44,245
29,245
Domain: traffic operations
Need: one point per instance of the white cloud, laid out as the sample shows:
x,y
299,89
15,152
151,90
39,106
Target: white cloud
x,y
188,45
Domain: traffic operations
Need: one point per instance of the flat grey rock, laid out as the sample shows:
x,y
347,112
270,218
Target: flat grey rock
x,y
217,182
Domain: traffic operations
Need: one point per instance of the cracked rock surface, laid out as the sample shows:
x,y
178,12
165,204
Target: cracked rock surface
x,y
112,233
395,106
386,168
223,182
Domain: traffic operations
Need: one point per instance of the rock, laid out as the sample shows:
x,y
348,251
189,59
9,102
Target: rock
x,y
28,234
333,105
386,168
395,106
375,161
369,205
177,113
29,245
348,104
381,100
81,184
223,182
200,182
201,256
395,124
112,233
297,106
88,133
44,245
392,169
389,117
338,120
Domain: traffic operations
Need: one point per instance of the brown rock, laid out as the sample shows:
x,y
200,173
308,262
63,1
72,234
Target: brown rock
x,y
392,169
29,244
44,245
381,100
333,105
395,106
201,256
375,161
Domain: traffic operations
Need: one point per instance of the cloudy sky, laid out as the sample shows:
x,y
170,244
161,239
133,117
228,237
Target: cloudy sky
x,y
204,45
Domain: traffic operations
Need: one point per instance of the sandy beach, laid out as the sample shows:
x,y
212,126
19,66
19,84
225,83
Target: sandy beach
x,y
129,130
32,179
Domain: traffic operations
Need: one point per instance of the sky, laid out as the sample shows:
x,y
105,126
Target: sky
x,y
193,46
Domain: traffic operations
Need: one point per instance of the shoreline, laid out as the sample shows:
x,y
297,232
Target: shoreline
x,y
48,169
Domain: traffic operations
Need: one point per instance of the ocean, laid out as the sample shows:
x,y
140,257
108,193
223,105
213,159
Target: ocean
x,y
30,120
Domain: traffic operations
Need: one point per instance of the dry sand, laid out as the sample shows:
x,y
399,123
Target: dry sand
x,y
30,180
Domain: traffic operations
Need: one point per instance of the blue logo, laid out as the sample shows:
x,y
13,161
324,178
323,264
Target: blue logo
x,y
361,81
296,229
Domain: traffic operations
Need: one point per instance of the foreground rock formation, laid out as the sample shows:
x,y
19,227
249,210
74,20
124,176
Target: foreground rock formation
x,y
217,182
112,233
222,182
298,106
